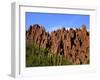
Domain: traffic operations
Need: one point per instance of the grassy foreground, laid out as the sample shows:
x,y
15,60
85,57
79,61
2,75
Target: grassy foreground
x,y
37,56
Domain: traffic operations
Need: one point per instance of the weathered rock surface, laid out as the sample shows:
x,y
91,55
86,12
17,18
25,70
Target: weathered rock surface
x,y
73,44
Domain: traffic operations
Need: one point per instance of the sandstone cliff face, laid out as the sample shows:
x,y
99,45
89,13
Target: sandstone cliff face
x,y
73,44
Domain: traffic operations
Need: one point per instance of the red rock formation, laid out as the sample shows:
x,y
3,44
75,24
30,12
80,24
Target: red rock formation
x,y
73,44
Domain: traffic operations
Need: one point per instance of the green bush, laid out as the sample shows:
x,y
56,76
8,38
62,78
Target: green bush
x,y
37,56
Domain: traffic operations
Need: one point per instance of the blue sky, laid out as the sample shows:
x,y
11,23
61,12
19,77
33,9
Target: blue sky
x,y
54,21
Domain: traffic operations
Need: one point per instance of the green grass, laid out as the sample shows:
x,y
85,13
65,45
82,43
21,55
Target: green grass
x,y
37,56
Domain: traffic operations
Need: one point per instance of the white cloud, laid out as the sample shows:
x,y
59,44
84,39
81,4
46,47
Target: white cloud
x,y
59,27
54,28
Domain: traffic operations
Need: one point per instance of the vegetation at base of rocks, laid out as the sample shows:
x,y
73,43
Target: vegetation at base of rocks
x,y
37,56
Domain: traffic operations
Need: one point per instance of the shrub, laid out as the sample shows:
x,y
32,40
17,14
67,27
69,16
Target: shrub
x,y
37,56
